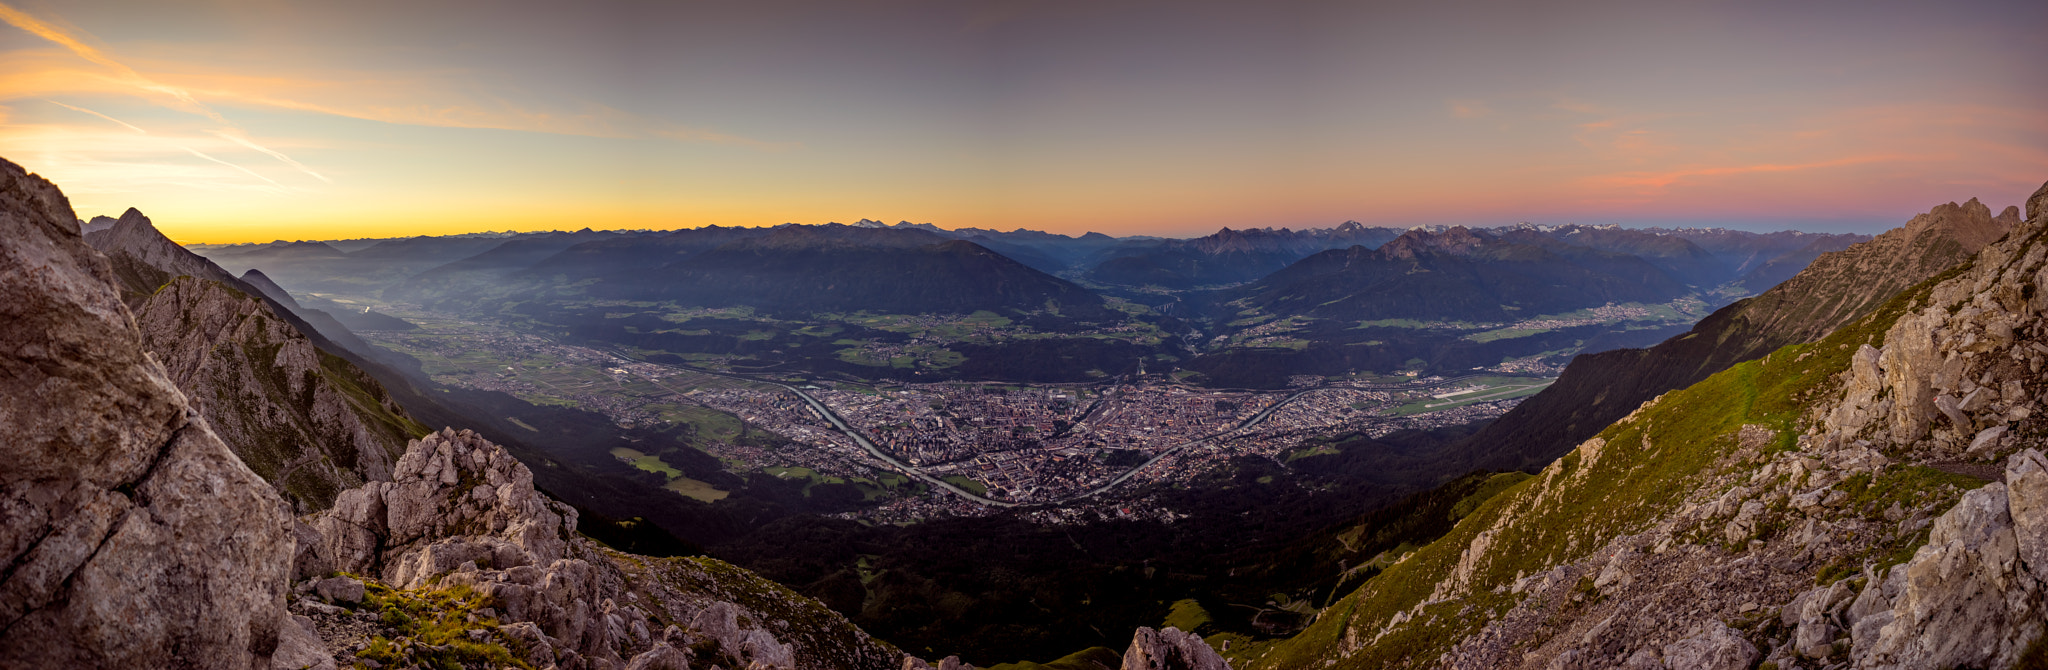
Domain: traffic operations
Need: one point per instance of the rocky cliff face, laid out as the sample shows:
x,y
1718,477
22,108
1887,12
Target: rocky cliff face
x,y
308,422
1873,499
131,536
461,518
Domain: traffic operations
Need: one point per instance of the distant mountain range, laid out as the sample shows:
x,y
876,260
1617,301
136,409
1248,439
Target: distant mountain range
x,y
1228,282
792,270
1459,274
1226,257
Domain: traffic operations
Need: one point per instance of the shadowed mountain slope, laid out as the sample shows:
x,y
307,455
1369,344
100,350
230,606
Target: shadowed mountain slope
x,y
1459,274
1226,257
788,269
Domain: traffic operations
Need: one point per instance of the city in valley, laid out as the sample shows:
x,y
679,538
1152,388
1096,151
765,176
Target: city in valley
x,y
1063,453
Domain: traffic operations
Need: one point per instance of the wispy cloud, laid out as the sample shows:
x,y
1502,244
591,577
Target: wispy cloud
x,y
1656,182
421,99
121,72
156,91
1470,109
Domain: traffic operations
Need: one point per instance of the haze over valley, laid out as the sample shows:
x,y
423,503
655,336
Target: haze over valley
x,y
1206,335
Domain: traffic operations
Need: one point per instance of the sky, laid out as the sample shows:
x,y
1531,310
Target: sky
x,y
255,120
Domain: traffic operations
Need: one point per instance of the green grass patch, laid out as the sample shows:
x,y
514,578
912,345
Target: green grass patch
x,y
646,462
706,421
1505,334
1391,323
966,484
1907,486
1092,658
1187,615
439,621
1320,449
692,488
1487,490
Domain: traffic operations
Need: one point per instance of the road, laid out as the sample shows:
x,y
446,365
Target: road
x,y
862,440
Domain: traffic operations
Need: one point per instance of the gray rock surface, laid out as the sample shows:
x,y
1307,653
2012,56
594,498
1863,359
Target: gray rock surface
x,y
130,536
299,647
750,644
2026,480
340,590
309,423
661,657
2037,204
1965,600
1171,649
460,512
1715,647
454,498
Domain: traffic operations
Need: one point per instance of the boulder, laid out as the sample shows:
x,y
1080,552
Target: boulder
x,y
1986,442
1745,523
540,648
339,590
1908,360
2026,480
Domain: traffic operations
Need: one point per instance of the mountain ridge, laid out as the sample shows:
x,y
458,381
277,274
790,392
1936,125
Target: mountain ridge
x,y
1824,505
1838,287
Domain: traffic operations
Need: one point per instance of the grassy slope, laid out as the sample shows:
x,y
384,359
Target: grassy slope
x,y
1576,506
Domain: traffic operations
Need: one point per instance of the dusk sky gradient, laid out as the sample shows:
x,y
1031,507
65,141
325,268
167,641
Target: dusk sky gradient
x,y
261,120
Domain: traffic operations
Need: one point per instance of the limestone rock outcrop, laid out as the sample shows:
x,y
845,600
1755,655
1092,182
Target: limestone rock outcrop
x,y
454,498
130,536
462,513
305,420
1964,600
1171,649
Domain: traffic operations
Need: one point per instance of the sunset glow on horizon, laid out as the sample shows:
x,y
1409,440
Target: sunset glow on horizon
x,y
251,121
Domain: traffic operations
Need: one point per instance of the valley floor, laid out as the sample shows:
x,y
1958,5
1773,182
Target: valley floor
x,y
995,445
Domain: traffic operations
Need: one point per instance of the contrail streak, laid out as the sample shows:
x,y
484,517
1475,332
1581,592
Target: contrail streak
x,y
130,126
244,170
237,138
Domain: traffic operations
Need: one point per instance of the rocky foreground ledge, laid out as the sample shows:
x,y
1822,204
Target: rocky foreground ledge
x,y
458,560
